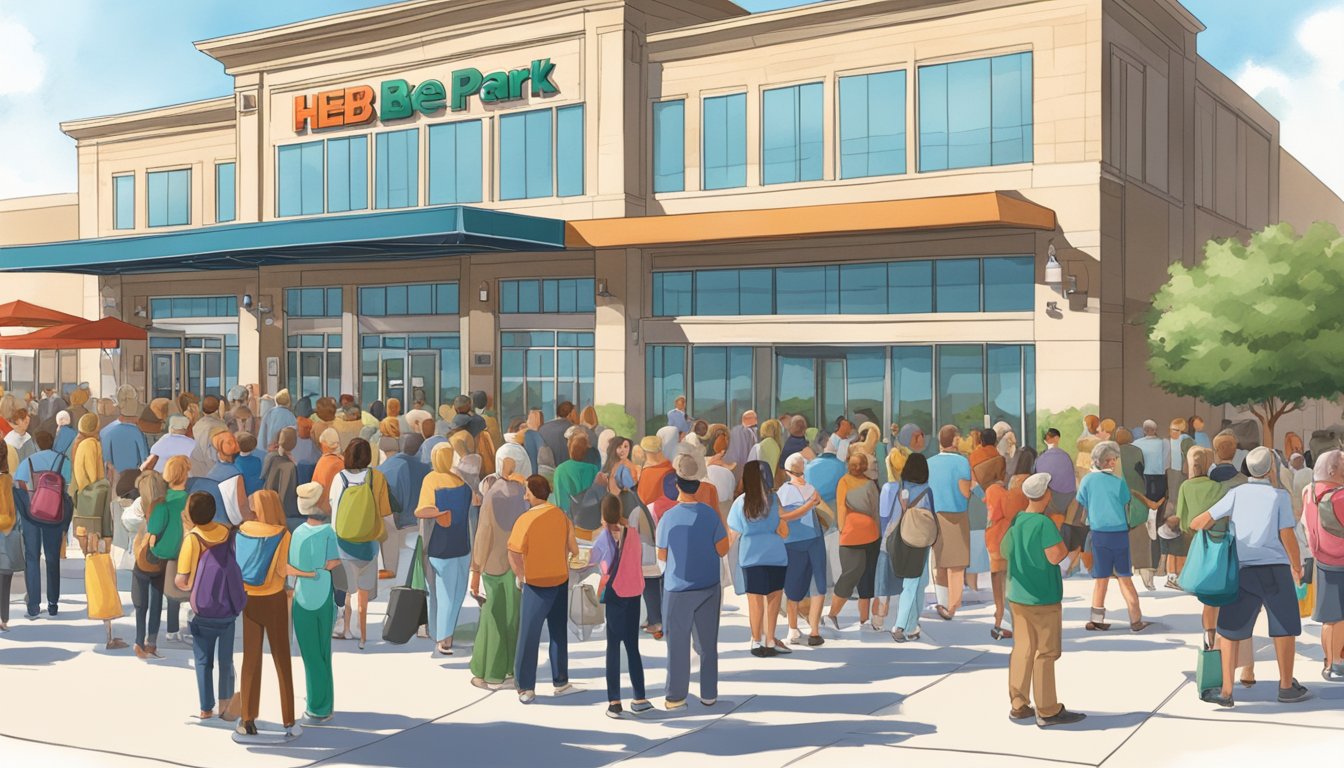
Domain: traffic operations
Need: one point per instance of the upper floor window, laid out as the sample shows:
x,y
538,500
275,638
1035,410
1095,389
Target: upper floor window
x,y
791,134
225,192
169,198
909,286
313,302
669,146
193,306
872,124
541,153
565,296
348,174
455,163
397,169
723,149
975,113
123,201
417,299
299,179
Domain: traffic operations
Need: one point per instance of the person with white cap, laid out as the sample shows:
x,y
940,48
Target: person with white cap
x,y
176,443
1269,570
1034,550
313,555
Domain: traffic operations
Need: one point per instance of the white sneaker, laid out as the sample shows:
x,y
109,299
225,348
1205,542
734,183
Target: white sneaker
x,y
795,636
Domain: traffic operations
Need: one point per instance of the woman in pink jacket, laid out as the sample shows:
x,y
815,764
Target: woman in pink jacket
x,y
617,551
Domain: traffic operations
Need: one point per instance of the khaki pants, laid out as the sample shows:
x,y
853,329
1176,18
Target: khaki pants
x,y
266,616
391,546
1036,646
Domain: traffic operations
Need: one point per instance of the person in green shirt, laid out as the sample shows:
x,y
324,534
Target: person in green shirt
x,y
1034,550
313,554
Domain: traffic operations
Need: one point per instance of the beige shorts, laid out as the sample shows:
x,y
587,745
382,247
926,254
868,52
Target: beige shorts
x,y
361,574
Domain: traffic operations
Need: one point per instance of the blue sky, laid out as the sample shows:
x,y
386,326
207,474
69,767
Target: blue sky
x,y
64,59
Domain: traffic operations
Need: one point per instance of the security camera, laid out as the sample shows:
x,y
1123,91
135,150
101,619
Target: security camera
x,y
247,301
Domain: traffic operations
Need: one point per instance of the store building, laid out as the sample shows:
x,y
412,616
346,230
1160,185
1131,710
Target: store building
x,y
838,208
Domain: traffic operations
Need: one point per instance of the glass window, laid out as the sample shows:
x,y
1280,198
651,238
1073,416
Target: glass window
x,y
721,386
123,202
225,192
525,155
669,146
961,385
1003,364
724,141
313,302
672,294
540,369
348,174
569,151
716,292
807,290
909,287
912,388
665,381
1010,284
975,113
299,179
193,306
791,134
872,124
455,163
863,289
958,285
1029,435
796,385
169,198
397,169
563,296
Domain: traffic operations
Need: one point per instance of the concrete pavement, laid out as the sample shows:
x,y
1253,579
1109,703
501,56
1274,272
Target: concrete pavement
x,y
858,700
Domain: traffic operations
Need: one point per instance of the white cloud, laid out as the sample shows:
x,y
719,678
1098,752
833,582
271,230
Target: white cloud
x,y
22,68
1309,102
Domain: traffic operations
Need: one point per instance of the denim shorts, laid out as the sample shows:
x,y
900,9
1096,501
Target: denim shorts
x,y
807,567
1267,586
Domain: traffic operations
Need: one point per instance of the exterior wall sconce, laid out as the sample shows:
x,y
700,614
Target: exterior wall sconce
x,y
1054,272
602,292
140,312
484,292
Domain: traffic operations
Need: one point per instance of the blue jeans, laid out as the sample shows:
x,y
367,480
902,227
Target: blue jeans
x,y
40,540
548,605
911,602
623,629
208,637
653,600
450,587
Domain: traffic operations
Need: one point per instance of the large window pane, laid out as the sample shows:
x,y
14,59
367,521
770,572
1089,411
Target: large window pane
x,y
807,290
863,289
975,113
525,155
958,283
872,124
1010,284
569,151
791,134
169,198
669,146
397,169
796,386
724,141
933,118
1030,436
455,163
672,294
225,193
968,98
865,378
299,179
665,377
1003,364
348,174
961,386
123,204
912,388
709,371
1012,135
716,292
909,287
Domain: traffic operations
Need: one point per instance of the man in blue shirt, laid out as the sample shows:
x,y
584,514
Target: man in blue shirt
x,y
124,446
677,416
404,474
41,538
1269,570
1105,495
950,484
691,540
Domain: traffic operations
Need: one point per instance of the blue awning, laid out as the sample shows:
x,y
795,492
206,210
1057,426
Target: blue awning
x,y
419,233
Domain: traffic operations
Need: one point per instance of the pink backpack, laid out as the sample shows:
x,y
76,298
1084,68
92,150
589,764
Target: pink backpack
x,y
48,504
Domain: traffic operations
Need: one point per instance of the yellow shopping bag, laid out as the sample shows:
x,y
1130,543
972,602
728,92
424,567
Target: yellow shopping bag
x,y
100,586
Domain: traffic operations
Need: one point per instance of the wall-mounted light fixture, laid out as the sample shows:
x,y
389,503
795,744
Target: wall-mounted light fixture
x,y
1054,271
140,312
484,292
602,292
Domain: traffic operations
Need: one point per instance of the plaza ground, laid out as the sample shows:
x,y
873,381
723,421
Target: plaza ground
x,y
858,700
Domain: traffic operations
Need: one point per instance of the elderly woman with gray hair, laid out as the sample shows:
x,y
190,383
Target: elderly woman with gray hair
x,y
1104,495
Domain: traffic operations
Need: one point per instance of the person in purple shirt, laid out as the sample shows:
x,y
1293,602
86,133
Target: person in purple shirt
x,y
1057,463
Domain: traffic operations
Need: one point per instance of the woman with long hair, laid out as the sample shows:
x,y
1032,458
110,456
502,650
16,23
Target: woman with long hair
x,y
753,523
619,469
359,559
913,484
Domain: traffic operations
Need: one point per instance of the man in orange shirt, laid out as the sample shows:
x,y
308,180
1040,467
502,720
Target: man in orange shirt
x,y
329,465
540,546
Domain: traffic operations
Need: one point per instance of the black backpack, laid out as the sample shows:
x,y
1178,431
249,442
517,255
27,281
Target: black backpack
x,y
907,562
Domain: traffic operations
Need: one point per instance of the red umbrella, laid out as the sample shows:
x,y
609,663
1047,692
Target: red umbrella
x,y
106,333
22,314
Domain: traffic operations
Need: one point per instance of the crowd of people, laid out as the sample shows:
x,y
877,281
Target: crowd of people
x,y
288,516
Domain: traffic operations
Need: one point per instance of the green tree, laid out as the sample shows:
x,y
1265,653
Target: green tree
x,y
1258,325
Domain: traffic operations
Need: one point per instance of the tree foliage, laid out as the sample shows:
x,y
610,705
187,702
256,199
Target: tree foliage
x,y
1257,324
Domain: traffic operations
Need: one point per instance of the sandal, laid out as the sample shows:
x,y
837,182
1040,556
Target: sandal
x,y
445,650
116,644
943,613
1139,626
1093,626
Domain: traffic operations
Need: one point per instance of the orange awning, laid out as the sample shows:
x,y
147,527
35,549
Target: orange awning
x,y
987,209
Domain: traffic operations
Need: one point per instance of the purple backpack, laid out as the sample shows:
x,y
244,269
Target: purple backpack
x,y
217,590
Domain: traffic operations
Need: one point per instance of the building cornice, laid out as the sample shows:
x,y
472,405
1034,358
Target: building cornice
x,y
206,113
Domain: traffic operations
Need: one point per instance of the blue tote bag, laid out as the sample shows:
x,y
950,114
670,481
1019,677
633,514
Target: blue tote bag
x,y
1210,570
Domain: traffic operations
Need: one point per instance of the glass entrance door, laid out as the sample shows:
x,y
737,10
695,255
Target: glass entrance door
x,y
163,370
824,383
424,379
394,379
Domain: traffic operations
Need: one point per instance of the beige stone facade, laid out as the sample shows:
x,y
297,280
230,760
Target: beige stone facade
x,y
1139,147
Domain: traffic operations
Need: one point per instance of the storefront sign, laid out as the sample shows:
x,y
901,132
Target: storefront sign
x,y
399,99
